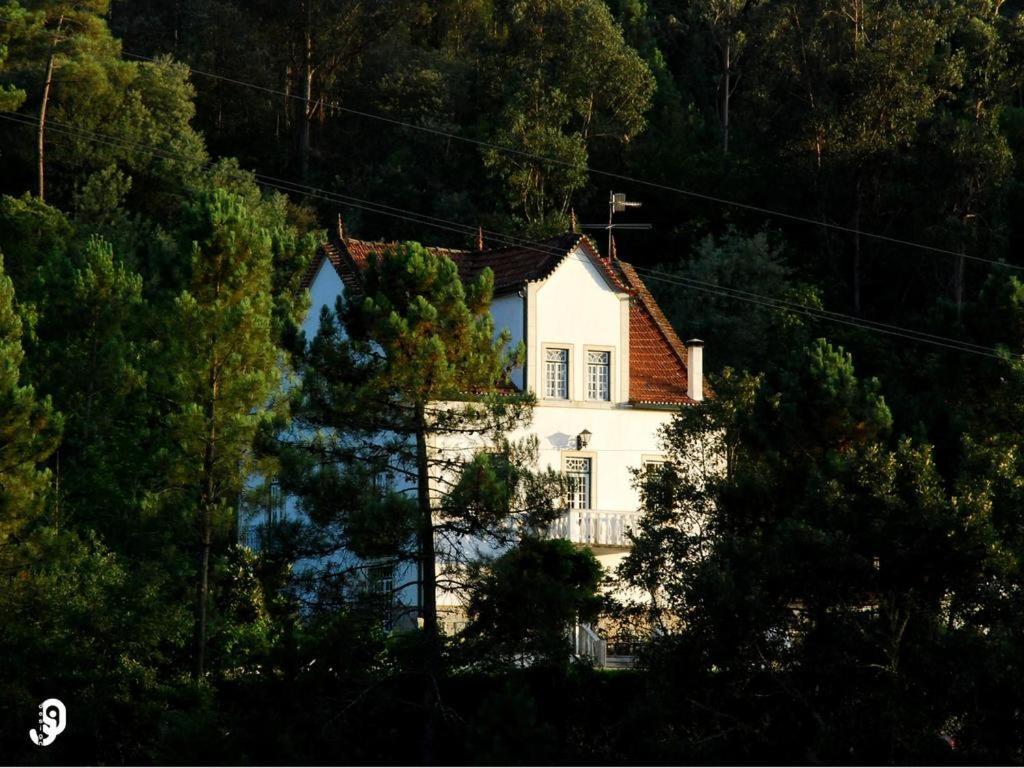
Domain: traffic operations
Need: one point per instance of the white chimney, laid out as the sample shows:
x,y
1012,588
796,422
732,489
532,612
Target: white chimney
x,y
695,369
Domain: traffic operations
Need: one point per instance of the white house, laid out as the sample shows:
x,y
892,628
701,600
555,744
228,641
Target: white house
x,y
607,368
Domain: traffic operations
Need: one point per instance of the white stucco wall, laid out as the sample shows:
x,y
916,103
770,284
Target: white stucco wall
x,y
507,312
323,292
574,308
621,438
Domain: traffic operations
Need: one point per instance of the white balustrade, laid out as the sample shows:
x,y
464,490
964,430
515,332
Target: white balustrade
x,y
596,527
590,645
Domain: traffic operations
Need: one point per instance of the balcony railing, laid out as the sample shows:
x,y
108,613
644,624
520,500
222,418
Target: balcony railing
x,y
595,527
588,644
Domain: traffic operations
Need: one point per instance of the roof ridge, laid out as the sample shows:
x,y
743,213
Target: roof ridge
x,y
349,257
532,245
442,248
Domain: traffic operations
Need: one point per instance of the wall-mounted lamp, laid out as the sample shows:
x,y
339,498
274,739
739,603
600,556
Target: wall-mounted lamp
x,y
582,439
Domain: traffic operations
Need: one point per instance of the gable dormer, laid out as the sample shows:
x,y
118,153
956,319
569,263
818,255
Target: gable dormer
x,y
578,332
593,316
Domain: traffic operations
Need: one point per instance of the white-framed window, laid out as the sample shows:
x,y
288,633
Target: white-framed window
x,y
380,584
276,507
653,465
556,373
382,482
599,375
579,474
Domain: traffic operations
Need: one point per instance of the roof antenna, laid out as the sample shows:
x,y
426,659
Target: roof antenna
x,y
617,203
480,238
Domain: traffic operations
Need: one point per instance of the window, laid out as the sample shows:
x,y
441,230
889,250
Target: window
x,y
275,504
556,374
578,472
382,482
381,585
599,376
653,467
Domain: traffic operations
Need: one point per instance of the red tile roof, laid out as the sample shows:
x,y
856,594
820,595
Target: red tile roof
x,y
520,264
351,257
512,266
657,357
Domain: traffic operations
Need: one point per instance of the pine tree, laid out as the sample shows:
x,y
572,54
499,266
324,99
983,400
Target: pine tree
x,y
29,428
224,368
407,379
11,97
822,569
92,109
569,85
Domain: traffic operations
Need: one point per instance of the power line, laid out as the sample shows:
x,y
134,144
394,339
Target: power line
x,y
654,274
597,171
452,226
294,187
780,305
733,293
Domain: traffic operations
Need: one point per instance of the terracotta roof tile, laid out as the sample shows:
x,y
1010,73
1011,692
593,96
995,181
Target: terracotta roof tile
x,y
657,357
520,264
512,266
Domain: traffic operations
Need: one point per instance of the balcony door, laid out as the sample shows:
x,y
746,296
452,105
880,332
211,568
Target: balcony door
x,y
578,471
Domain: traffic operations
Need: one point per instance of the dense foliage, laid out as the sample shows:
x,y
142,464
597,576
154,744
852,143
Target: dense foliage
x,y
833,557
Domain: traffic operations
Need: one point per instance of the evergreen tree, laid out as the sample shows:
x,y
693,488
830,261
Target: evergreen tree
x,y
91,109
10,97
406,380
570,84
820,567
223,371
29,430
750,335
525,604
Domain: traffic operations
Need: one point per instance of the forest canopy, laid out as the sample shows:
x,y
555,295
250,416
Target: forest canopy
x,y
834,189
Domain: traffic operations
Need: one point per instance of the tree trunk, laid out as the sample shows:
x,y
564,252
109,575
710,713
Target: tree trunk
x,y
958,281
856,250
428,577
307,93
206,524
41,135
203,592
727,80
56,494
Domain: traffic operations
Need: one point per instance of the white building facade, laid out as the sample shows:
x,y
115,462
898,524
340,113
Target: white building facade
x,y
606,367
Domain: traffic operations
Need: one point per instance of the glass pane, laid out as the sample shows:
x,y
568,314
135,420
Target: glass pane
x,y
598,376
275,504
577,470
556,374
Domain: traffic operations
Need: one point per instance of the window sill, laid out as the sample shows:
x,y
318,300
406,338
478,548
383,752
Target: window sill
x,y
591,404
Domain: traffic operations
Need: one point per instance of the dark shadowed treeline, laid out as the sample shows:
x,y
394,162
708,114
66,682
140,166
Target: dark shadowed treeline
x,y
837,578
